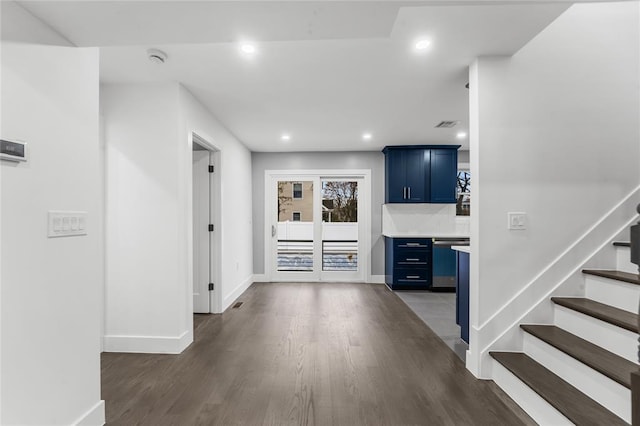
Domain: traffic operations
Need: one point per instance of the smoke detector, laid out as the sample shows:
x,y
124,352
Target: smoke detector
x,y
156,56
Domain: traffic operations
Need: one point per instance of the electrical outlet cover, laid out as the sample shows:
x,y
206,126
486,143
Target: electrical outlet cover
x,y
517,221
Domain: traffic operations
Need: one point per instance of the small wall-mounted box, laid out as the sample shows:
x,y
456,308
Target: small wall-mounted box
x,y
13,150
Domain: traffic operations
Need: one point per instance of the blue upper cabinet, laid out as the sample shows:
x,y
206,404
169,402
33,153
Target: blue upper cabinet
x,y
444,171
396,176
421,174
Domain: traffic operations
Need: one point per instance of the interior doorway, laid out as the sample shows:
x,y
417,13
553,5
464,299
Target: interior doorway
x,y
206,206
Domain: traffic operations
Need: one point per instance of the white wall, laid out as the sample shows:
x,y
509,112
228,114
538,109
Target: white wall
x,y
146,275
555,133
51,288
374,161
148,297
236,263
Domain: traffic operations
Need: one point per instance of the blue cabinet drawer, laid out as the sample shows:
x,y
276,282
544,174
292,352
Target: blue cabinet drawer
x,y
411,275
406,258
412,243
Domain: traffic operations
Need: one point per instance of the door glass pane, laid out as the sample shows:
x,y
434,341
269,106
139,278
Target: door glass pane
x,y
339,225
295,226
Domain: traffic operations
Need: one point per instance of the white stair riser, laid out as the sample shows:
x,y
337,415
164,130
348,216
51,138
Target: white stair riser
x,y
610,337
608,393
623,262
612,292
532,403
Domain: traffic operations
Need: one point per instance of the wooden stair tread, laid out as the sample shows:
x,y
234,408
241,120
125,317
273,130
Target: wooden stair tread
x,y
622,243
565,398
611,365
618,317
627,277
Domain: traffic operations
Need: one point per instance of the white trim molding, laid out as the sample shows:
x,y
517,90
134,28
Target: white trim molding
x,y
501,330
94,417
148,344
239,290
377,279
260,278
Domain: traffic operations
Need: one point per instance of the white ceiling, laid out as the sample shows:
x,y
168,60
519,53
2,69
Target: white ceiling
x,y
325,72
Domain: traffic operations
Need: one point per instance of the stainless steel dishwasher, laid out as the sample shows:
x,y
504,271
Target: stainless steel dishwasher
x,y
444,263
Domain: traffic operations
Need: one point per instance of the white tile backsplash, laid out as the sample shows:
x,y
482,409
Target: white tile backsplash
x,y
423,220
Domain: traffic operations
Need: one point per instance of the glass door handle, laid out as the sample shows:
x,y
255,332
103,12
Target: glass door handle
x,y
273,230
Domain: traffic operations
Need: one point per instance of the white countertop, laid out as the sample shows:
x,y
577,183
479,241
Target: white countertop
x,y
463,249
434,234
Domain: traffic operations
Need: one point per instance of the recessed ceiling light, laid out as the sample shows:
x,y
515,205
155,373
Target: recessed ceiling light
x,y
248,48
367,136
422,44
461,135
285,137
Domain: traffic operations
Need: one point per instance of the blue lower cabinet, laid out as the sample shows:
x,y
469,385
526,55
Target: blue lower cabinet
x,y
462,295
407,263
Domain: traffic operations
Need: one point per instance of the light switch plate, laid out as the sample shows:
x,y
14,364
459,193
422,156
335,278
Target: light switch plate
x,y
517,221
66,223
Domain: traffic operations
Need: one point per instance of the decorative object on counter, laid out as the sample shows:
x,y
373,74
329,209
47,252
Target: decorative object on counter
x,y
421,173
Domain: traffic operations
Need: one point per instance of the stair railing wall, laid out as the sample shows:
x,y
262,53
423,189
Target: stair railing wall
x,y
635,377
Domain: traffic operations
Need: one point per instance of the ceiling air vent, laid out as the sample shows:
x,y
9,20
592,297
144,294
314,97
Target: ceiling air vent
x,y
446,124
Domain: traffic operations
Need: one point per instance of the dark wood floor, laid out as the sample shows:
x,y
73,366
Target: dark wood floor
x,y
305,354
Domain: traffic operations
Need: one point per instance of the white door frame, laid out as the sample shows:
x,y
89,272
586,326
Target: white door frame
x,y
364,215
215,297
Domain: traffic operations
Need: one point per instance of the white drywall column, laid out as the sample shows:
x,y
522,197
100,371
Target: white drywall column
x,y
148,295
146,307
51,287
554,133
236,262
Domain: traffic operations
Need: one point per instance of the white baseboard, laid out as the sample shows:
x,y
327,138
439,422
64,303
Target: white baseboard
x,y
377,279
148,344
241,288
94,417
260,278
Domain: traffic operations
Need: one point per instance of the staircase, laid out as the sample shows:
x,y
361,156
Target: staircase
x,y
578,369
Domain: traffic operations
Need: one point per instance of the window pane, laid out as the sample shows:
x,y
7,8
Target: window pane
x,y
297,190
463,193
339,226
295,226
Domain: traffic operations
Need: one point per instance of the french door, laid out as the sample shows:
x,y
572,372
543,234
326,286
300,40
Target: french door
x,y
317,227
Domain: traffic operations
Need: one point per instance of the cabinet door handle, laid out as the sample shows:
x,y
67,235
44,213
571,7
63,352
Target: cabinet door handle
x,y
414,244
412,260
413,277
409,197
404,192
